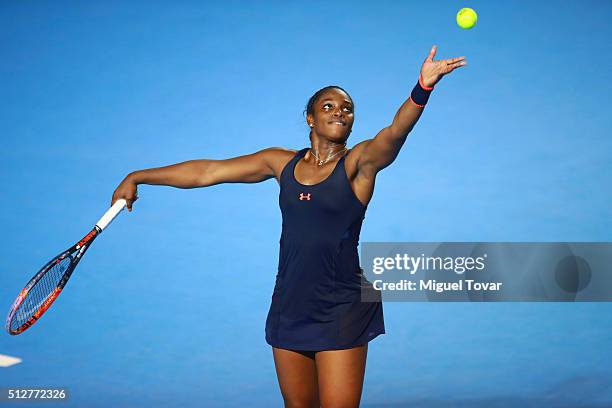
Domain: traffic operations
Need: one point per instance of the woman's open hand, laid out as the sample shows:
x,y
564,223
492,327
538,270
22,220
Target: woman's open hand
x,y
433,71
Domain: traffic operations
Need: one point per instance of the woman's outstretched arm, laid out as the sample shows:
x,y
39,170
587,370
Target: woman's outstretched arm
x,y
251,168
377,153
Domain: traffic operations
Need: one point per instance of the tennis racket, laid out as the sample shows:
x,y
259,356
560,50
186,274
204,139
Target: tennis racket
x,y
42,290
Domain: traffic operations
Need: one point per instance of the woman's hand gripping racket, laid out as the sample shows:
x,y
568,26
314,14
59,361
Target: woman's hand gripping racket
x,y
47,284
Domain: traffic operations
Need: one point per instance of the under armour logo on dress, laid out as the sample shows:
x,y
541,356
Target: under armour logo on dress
x,y
304,196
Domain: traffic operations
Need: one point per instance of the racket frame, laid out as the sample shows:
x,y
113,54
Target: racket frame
x,y
75,252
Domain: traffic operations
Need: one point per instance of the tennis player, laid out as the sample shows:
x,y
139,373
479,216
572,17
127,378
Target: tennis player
x,y
317,325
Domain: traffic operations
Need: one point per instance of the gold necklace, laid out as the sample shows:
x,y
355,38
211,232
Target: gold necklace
x,y
322,162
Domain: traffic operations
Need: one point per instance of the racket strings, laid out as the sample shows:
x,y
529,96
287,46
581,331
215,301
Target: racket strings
x,y
40,292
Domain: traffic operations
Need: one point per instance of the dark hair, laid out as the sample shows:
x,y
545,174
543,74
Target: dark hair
x,y
313,98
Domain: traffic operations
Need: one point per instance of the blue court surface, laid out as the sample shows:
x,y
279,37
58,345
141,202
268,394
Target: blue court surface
x,y
167,309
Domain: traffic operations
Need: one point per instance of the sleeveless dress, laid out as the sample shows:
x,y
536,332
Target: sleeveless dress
x,y
316,304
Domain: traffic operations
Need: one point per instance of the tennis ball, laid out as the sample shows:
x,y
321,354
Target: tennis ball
x,y
466,18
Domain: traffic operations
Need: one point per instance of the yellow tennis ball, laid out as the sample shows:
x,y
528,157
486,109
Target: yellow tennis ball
x,y
466,18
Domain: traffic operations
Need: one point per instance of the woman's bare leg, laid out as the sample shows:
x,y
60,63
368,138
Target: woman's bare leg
x,y
340,376
297,378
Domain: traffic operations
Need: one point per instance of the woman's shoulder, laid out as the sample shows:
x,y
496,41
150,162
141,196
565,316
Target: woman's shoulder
x,y
279,153
278,157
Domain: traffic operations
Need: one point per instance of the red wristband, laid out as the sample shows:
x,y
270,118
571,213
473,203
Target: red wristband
x,y
420,93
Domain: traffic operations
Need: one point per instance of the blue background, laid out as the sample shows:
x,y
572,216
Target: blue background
x,y
168,308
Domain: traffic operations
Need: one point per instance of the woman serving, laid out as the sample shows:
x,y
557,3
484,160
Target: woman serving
x,y
317,325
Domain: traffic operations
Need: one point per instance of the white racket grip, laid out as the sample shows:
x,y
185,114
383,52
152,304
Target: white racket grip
x,y
111,214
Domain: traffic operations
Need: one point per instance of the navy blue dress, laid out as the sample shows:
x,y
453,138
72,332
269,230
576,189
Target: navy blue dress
x,y
316,303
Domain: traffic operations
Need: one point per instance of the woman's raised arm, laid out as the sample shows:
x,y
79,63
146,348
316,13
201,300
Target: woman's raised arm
x,y
377,153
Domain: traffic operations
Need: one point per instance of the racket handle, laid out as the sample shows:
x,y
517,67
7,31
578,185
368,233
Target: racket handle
x,y
111,214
